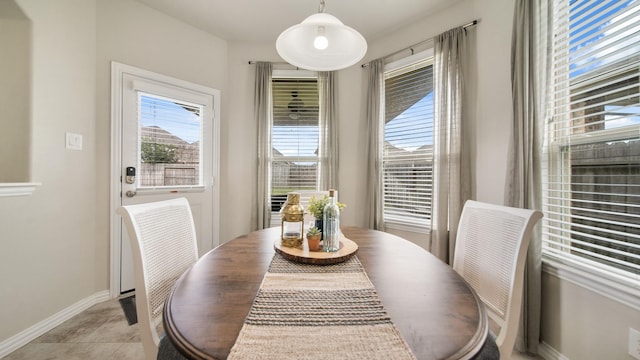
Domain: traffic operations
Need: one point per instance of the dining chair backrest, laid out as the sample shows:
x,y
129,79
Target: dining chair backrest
x,y
164,246
490,254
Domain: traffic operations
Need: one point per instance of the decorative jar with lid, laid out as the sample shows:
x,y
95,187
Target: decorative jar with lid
x,y
292,213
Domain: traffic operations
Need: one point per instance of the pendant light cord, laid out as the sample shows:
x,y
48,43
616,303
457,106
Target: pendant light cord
x,y
321,6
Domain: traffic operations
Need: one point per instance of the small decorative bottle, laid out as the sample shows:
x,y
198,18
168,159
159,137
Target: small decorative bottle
x,y
331,224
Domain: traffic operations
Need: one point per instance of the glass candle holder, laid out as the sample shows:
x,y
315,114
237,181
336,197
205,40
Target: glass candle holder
x,y
292,213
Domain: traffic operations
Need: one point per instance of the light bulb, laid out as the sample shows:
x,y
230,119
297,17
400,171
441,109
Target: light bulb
x,y
320,42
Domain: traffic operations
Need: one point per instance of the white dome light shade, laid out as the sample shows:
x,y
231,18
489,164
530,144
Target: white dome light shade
x,y
344,46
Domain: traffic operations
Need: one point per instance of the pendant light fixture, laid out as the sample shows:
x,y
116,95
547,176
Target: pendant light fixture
x,y
321,42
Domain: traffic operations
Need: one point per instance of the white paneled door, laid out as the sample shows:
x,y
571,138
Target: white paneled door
x,y
168,149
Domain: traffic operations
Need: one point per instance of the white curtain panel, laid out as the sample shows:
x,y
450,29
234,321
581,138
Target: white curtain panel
x,y
375,93
329,153
529,79
451,164
262,99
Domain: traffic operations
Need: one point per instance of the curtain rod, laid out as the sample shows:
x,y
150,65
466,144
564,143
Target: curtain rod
x,y
465,26
280,63
253,62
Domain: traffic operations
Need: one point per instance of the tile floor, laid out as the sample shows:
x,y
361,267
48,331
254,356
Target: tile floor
x,y
100,332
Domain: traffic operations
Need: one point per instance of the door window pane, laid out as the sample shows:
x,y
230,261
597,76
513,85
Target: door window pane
x,y
170,133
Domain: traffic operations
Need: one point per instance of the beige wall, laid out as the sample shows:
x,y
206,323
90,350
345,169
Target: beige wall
x,y
240,140
15,92
580,324
49,239
55,243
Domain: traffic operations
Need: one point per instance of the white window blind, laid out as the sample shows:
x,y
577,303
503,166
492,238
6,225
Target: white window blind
x,y
408,142
591,192
295,138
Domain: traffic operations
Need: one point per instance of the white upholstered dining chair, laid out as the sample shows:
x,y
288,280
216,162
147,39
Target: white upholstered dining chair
x,y
490,254
164,246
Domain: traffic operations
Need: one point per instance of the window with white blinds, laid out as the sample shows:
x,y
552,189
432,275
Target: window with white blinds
x,y
295,138
407,159
591,195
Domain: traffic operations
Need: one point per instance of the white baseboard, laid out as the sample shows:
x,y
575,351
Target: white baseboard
x,y
548,353
22,338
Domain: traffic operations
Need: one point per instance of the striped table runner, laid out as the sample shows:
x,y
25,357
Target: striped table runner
x,y
318,312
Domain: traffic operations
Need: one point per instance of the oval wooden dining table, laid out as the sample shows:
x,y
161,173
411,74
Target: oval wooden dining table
x,y
436,311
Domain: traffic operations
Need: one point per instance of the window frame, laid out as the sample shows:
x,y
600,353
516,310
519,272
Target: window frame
x,y
405,223
291,74
620,285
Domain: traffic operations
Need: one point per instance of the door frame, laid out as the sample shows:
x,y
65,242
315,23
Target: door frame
x,y
117,71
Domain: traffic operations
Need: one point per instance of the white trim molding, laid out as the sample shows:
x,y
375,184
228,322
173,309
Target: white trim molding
x,y
24,337
17,189
148,80
548,353
404,226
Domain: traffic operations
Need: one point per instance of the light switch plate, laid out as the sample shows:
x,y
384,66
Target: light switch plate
x,y
73,141
634,343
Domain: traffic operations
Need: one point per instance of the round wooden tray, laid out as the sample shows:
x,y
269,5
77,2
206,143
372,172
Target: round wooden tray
x,y
346,250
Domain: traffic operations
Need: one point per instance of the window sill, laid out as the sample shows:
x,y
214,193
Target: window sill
x,y
17,189
402,226
624,291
